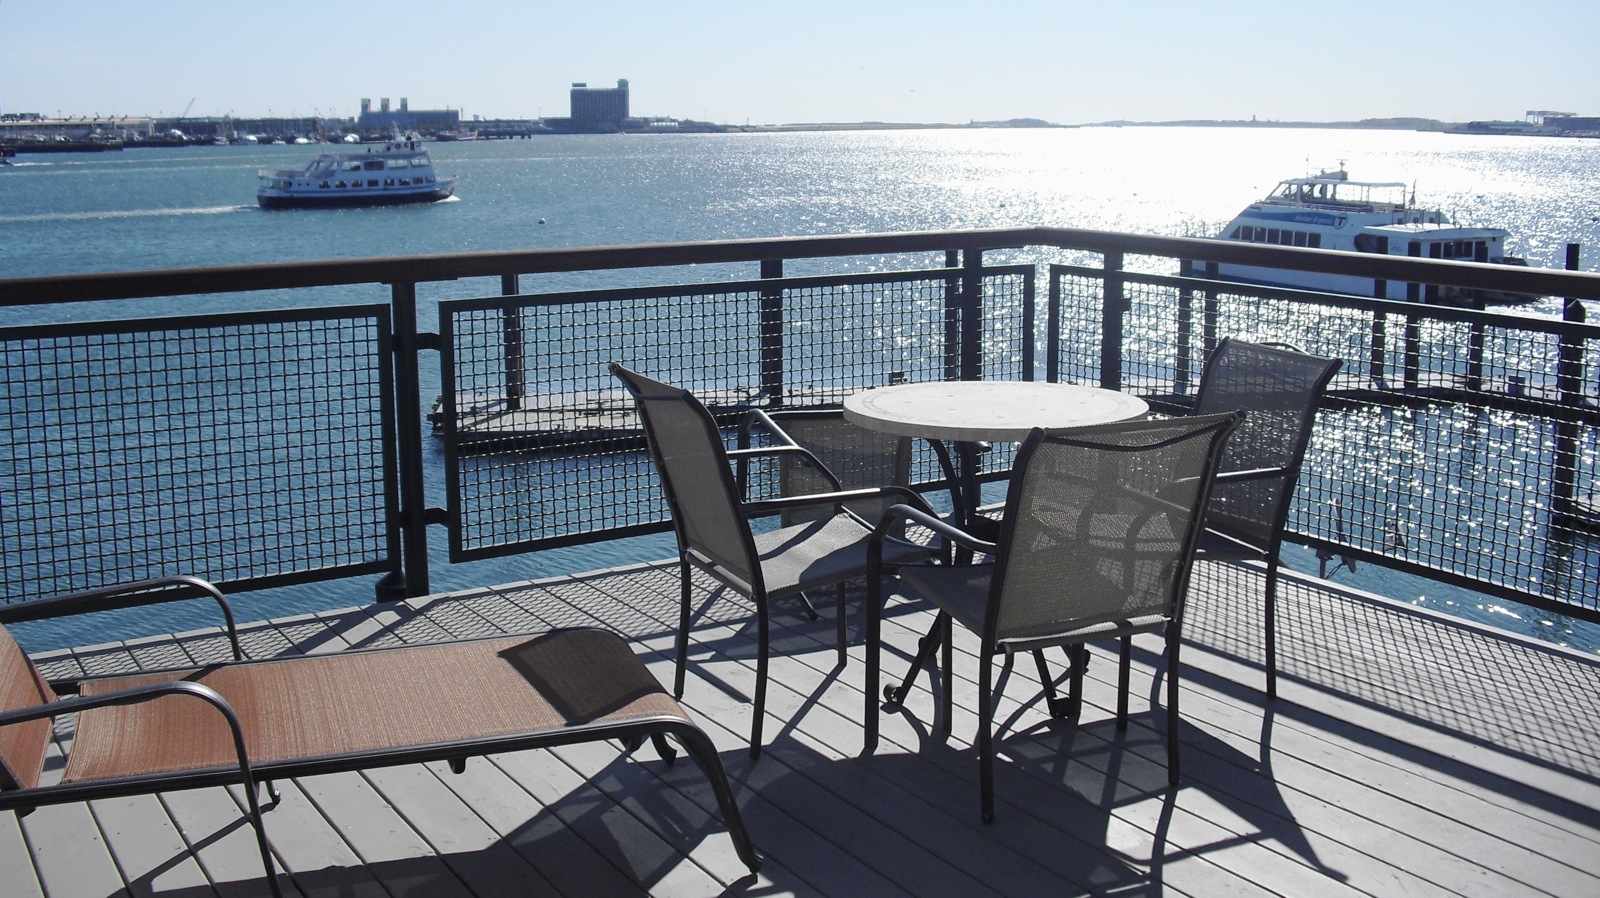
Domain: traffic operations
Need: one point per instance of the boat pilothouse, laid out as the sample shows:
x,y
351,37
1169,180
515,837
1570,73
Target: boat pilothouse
x,y
1330,211
398,172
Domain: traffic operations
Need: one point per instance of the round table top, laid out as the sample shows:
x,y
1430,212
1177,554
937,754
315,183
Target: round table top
x,y
997,410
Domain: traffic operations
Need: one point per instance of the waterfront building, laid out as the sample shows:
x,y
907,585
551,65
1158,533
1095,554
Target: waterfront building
x,y
599,108
384,121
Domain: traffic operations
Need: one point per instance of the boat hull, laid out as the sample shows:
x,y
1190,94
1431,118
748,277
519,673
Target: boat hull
x,y
346,199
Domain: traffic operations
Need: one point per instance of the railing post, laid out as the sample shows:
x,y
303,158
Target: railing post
x,y
516,365
952,318
1413,339
1208,320
1052,335
1569,387
1185,336
1114,309
972,315
408,422
1475,334
1380,323
771,336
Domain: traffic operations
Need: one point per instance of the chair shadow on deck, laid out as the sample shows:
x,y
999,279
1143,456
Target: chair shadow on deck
x,y
631,826
1112,771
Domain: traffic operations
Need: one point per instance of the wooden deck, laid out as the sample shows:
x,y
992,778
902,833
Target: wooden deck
x,y
1407,754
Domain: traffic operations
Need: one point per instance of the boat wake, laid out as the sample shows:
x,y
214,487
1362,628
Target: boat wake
x,y
124,213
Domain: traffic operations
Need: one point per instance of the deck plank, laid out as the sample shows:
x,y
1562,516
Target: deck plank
x,y
1406,754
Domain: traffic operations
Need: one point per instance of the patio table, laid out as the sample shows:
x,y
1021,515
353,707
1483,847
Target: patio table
x,y
970,412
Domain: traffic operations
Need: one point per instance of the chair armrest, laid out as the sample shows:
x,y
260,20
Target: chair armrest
x,y
926,518
1245,474
837,497
133,695
126,595
758,418
741,459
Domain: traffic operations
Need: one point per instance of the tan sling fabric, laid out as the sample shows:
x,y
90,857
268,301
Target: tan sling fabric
x,y
361,702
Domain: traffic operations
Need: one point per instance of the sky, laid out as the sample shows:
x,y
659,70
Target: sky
x,y
757,62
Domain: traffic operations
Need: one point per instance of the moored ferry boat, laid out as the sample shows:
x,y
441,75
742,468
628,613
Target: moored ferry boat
x,y
1330,211
397,173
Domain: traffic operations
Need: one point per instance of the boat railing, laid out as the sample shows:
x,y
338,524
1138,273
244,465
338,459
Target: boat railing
x,y
323,421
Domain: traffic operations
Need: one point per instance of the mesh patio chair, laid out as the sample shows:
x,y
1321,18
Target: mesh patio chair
x,y
1278,388
252,722
852,457
712,520
1096,542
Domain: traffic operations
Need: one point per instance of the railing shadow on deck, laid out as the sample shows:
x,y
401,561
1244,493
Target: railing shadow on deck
x,y
1386,675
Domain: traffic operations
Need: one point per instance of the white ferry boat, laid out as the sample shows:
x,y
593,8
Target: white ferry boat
x,y
1330,211
396,173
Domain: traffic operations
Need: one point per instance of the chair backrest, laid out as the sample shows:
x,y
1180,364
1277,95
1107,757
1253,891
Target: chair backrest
x,y
1101,524
692,460
22,745
1278,390
858,457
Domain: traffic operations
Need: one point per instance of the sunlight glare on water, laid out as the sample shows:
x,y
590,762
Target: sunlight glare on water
x,y
170,208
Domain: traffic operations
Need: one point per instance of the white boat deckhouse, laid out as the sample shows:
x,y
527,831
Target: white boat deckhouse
x,y
1330,211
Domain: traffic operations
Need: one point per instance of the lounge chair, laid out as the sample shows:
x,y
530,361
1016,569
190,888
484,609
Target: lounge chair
x,y
251,722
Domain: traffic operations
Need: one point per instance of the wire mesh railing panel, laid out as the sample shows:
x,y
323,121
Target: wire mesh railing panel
x,y
247,449
1452,442
542,444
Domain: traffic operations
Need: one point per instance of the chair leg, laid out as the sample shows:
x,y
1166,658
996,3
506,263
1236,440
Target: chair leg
x,y
986,734
700,747
895,696
663,747
869,683
806,606
260,826
1172,704
760,709
1066,707
1124,660
683,628
947,710
1272,627
1078,655
844,637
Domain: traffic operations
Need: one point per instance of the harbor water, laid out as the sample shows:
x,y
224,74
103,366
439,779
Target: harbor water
x,y
195,206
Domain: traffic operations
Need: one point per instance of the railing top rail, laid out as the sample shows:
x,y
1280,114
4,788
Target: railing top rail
x,y
452,266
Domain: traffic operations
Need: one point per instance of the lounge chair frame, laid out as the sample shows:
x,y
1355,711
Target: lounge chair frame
x,y
21,790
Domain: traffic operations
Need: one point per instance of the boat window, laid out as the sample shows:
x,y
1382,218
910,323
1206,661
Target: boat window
x,y
373,165
353,165
1314,240
1300,238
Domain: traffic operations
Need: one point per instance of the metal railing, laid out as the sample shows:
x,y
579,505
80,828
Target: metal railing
x,y
276,447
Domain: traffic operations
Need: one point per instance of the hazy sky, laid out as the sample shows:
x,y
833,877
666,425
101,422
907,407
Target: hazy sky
x,y
1064,61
